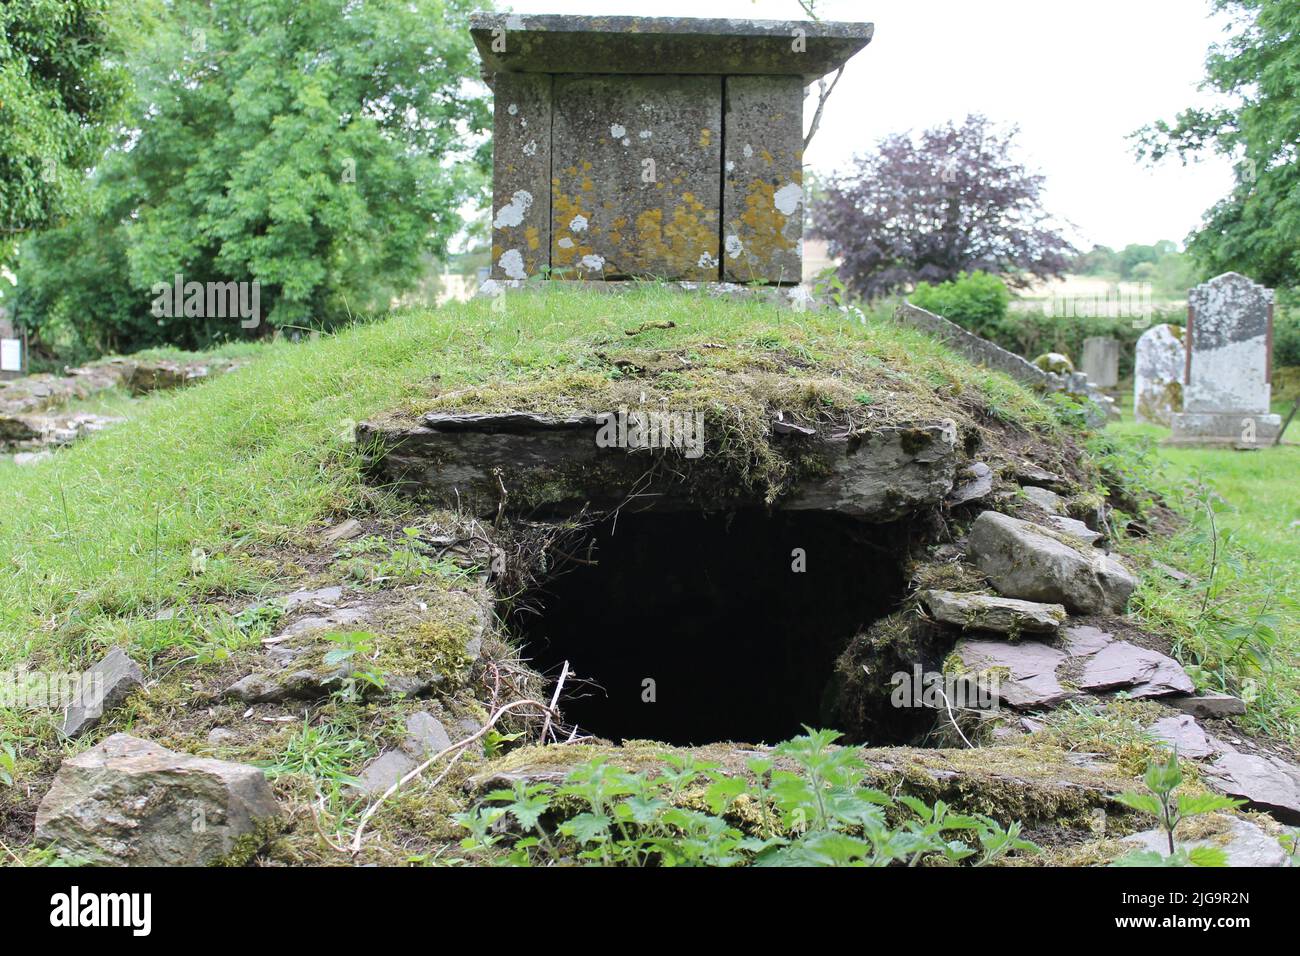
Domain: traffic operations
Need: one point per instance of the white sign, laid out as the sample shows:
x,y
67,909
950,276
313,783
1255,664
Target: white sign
x,y
11,355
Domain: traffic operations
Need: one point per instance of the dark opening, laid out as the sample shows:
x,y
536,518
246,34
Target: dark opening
x,y
739,645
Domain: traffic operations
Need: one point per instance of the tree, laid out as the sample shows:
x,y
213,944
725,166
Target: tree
x,y
929,209
62,88
320,149
1255,229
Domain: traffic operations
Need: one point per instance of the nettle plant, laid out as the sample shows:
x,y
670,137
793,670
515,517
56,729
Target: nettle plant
x,y
691,814
1162,779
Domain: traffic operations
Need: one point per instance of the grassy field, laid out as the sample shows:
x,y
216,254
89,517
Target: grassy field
x,y
1242,550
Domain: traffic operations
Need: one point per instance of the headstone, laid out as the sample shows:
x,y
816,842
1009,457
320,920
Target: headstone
x,y
1101,360
11,348
652,146
1227,375
1158,366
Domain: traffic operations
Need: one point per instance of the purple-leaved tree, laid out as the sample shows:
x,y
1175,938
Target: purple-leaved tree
x,y
928,209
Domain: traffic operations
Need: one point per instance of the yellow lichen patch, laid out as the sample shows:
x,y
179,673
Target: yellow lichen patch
x,y
706,136
564,210
532,237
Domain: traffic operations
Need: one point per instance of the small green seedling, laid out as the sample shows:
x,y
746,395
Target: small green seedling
x,y
1162,779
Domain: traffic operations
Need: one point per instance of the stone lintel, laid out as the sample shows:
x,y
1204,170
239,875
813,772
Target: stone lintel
x,y
519,43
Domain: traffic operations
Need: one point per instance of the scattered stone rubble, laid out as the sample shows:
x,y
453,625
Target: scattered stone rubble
x,y
32,415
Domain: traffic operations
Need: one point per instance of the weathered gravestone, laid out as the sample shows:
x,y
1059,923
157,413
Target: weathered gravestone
x,y
1101,360
1226,379
1158,366
11,348
649,146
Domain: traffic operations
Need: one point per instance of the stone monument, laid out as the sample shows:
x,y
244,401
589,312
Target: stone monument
x,y
1228,370
12,362
1101,360
1158,365
652,146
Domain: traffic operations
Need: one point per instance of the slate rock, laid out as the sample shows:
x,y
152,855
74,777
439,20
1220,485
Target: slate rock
x,y
384,771
318,596
1024,560
1244,843
425,736
1027,670
103,688
1027,473
1138,671
130,802
980,612
1075,528
1211,705
343,531
1045,499
974,483
1266,783
1185,735
1083,640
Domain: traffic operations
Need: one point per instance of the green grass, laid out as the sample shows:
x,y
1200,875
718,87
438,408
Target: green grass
x,y
1238,621
95,541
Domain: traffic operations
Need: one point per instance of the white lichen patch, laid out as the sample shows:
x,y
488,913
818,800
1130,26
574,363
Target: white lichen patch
x,y
592,263
578,224
512,214
645,134
706,261
748,151
787,199
530,148
512,109
734,246
565,243
618,131
512,264
731,165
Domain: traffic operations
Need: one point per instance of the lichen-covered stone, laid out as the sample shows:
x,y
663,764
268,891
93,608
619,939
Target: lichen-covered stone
x,y
981,612
1229,366
129,802
636,176
1158,366
521,175
762,202
1023,560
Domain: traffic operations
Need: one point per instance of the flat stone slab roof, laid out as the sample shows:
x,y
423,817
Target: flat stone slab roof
x,y
666,45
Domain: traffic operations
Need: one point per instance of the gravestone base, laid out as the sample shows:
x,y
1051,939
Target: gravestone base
x,y
797,297
1224,428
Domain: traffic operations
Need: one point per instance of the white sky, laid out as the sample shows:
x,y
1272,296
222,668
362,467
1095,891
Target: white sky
x,y
1077,78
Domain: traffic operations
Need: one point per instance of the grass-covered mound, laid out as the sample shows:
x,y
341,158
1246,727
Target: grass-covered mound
x,y
110,530
164,534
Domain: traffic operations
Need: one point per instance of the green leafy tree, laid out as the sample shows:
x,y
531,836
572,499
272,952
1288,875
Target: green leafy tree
x,y
62,88
321,149
1253,230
